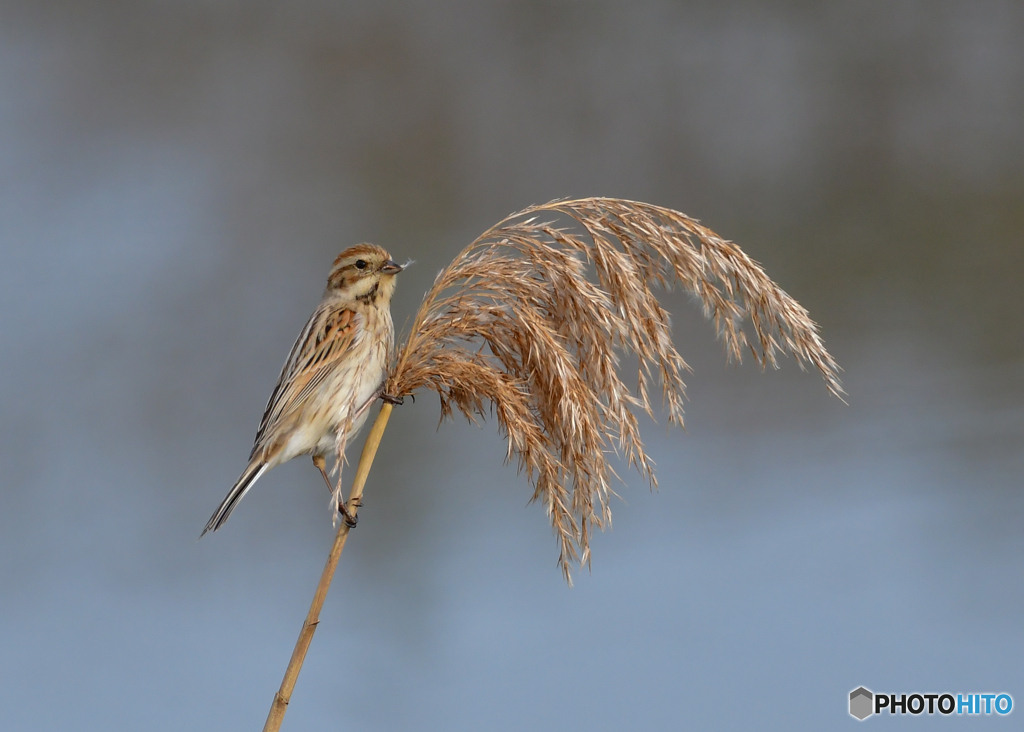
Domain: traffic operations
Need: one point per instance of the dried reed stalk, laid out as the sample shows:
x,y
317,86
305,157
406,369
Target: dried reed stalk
x,y
531,319
291,674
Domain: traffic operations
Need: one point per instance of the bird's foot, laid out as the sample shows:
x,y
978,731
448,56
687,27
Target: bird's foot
x,y
391,399
350,519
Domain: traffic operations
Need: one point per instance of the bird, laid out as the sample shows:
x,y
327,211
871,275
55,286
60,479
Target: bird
x,y
333,374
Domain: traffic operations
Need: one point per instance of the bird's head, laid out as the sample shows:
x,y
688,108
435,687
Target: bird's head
x,y
364,271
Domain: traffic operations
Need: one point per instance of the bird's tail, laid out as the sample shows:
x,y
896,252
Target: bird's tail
x,y
249,476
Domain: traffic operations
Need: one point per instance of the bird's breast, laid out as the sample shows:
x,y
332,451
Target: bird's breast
x,y
361,376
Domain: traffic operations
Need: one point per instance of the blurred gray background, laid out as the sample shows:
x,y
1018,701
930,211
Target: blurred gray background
x,y
175,179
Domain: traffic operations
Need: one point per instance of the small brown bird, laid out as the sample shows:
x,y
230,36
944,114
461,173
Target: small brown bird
x,y
335,371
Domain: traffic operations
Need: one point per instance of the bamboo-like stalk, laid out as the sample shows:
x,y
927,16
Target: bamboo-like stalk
x,y
291,674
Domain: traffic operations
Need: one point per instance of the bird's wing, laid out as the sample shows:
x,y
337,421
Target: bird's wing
x,y
323,343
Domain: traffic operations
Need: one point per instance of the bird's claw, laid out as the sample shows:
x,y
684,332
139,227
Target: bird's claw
x,y
391,399
350,519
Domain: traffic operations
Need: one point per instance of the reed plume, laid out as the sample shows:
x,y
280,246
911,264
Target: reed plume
x,y
530,322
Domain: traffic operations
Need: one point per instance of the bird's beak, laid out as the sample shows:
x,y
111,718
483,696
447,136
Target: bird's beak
x,y
391,267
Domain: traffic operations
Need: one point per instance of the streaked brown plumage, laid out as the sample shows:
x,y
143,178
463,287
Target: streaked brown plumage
x,y
333,374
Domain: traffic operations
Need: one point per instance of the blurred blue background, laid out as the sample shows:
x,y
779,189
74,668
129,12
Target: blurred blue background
x,y
175,179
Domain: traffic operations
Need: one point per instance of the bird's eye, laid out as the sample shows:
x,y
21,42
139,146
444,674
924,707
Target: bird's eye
x,y
360,264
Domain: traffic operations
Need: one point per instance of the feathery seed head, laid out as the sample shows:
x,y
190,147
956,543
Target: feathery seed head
x,y
529,322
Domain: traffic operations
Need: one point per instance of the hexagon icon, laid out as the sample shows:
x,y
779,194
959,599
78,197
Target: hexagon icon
x,y
861,703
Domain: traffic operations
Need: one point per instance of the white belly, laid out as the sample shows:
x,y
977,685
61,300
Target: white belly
x,y
350,391
355,402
